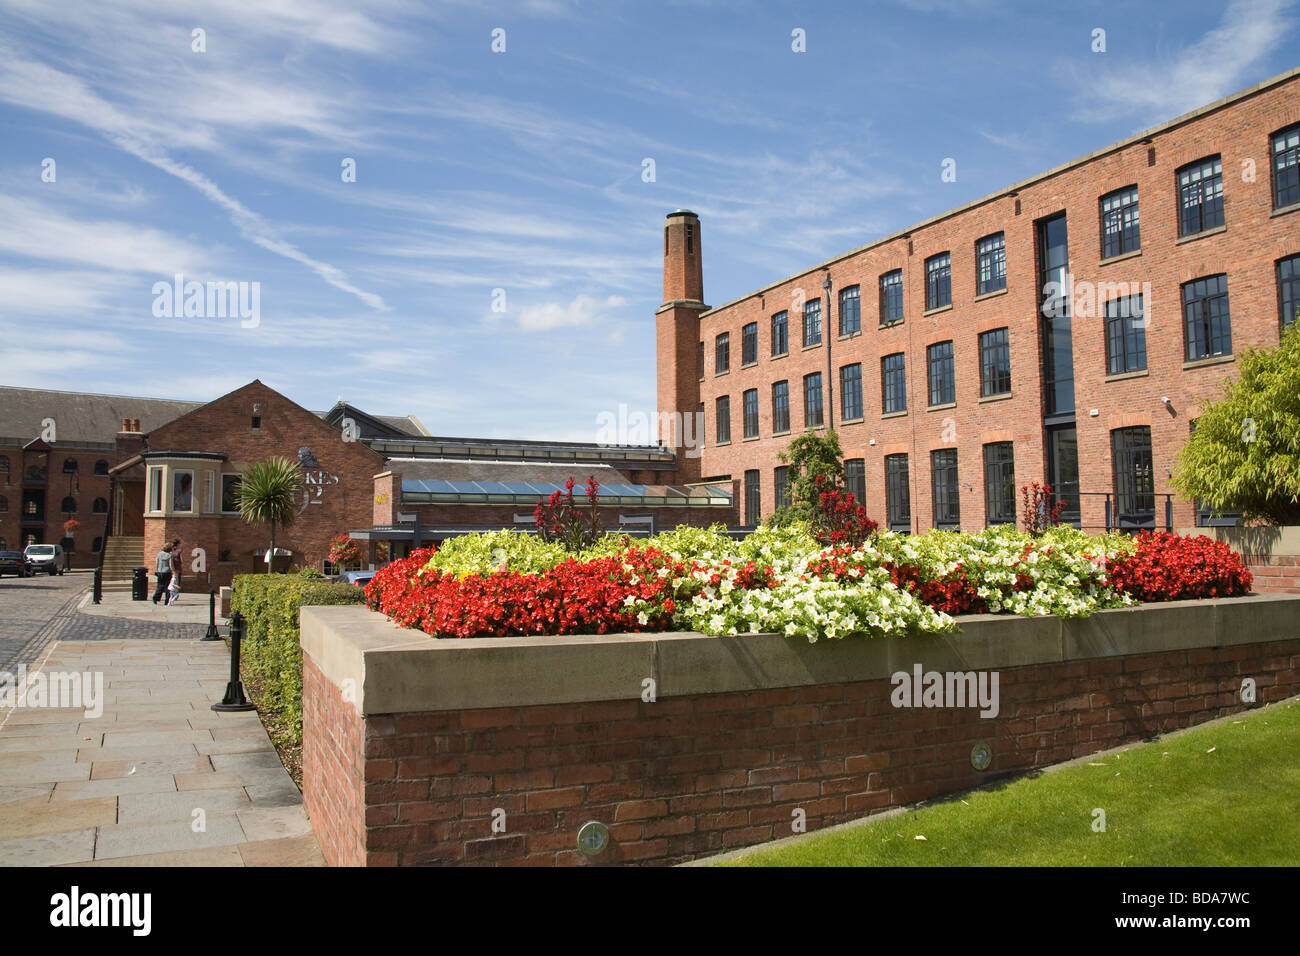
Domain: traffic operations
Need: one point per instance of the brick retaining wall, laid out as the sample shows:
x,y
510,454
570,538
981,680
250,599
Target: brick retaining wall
x,y
696,773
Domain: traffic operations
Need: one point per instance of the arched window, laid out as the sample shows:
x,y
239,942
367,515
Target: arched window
x,y
100,507
69,505
101,466
97,546
69,466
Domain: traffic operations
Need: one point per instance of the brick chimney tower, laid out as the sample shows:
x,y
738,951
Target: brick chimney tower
x,y
677,328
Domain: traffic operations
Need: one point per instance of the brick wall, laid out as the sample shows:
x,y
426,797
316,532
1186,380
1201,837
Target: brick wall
x,y
1246,250
700,773
1279,574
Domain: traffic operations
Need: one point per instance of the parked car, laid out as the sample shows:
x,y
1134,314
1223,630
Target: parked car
x,y
50,558
15,563
359,578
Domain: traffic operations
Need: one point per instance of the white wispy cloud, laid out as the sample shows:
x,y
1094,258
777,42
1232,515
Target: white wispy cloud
x,y
1188,77
582,311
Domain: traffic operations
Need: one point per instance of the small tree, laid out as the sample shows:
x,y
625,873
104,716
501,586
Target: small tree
x,y
268,494
838,520
810,457
1039,509
1244,454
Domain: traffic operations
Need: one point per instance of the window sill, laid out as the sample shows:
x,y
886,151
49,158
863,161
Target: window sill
x,y
991,295
936,310
813,428
1217,230
1000,397
751,438
720,444
894,414
779,434
1121,376
1215,360
851,421
1284,210
848,335
815,345
720,374
1121,257
889,325
935,408
779,355
750,364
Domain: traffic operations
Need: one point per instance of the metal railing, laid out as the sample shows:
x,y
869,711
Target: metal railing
x,y
1136,519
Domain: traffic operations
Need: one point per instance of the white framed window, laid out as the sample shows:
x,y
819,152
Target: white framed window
x,y
155,489
182,490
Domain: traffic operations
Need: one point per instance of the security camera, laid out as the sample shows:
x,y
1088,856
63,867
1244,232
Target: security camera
x,y
1164,399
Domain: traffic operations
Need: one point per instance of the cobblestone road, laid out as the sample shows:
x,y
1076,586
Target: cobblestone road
x,y
36,611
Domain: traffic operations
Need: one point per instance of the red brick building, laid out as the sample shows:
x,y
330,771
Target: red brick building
x,y
1067,329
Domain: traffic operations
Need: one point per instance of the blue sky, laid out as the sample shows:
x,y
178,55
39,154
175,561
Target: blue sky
x,y
518,170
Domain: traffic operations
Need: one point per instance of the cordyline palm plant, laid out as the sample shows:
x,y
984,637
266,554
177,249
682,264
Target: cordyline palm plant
x,y
268,494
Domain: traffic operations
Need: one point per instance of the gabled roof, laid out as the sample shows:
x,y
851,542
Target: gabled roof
x,y
80,416
375,426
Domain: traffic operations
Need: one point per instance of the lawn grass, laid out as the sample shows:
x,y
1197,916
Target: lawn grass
x,y
1227,794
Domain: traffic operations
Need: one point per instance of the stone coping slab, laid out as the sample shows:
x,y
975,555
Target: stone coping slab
x,y
384,669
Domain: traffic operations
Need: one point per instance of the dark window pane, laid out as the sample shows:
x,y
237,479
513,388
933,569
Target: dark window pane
x,y
749,344
851,392
891,297
999,483
1205,310
898,494
850,311
753,503
700,360
723,426
938,281
780,333
812,322
812,400
990,264
1135,500
1200,196
1126,337
1286,167
943,389
751,413
995,363
1119,223
1288,290
855,478
780,407
781,481
893,384
947,502
722,353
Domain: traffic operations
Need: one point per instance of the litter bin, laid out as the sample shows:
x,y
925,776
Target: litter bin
x,y
139,584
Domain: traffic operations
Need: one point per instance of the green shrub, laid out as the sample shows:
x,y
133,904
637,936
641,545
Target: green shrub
x,y
271,650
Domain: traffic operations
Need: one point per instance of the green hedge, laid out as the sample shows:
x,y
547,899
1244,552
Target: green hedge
x,y
271,650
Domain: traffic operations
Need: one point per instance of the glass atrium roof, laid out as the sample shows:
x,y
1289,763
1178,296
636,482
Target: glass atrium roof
x,y
416,491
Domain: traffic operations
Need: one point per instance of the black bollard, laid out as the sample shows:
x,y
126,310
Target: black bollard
x,y
235,699
212,634
97,590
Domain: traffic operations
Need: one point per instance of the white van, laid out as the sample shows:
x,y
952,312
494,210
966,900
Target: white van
x,y
50,558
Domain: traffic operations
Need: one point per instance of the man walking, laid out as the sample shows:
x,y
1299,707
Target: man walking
x,y
163,571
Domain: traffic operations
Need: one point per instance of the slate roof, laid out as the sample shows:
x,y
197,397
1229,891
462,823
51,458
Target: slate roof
x,y
530,471
80,416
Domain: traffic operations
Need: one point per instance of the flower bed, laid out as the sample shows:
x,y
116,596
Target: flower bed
x,y
784,581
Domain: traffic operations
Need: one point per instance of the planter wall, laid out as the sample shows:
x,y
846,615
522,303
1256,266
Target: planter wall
x,y
413,747
1272,554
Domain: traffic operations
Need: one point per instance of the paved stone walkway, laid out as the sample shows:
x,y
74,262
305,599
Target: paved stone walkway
x,y
156,779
